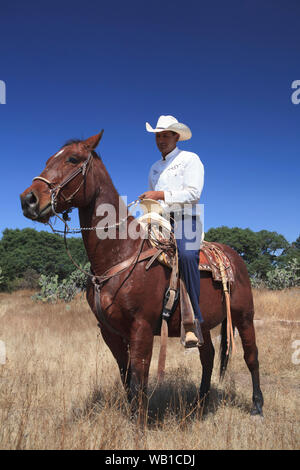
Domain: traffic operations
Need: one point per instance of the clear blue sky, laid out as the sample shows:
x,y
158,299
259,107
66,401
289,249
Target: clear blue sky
x,y
225,68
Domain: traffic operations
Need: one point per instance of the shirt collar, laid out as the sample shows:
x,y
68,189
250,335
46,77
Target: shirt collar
x,y
171,154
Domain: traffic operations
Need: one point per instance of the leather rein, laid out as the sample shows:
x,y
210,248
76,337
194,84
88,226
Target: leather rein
x,y
56,190
116,270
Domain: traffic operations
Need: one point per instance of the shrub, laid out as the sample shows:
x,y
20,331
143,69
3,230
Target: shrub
x,y
51,290
257,282
280,277
284,277
30,280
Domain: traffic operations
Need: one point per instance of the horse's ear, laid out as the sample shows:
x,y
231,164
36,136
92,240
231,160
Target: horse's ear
x,y
92,142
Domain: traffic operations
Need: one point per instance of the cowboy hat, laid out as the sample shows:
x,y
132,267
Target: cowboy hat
x,y
169,123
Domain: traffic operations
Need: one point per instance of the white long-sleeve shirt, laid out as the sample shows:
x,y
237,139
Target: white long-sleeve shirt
x,y
181,177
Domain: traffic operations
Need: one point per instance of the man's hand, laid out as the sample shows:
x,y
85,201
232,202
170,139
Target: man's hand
x,y
156,195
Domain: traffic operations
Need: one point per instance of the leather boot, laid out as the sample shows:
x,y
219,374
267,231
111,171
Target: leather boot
x,y
191,340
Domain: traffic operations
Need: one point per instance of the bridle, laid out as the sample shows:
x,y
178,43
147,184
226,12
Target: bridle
x,y
56,190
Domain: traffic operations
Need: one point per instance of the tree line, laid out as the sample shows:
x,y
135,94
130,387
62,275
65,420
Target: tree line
x,y
272,261
26,255
262,251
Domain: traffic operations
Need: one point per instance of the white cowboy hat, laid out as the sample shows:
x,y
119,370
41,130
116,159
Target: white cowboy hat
x,y
169,123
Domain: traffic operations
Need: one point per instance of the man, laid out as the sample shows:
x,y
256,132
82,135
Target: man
x,y
176,181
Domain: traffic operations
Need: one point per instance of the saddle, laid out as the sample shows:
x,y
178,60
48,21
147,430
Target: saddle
x,y
211,256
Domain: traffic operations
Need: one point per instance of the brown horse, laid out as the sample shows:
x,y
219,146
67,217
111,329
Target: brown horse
x,y
131,301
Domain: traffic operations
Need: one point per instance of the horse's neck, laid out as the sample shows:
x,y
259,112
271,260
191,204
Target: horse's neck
x,y
106,252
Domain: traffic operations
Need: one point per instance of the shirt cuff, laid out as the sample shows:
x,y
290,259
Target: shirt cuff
x,y
168,197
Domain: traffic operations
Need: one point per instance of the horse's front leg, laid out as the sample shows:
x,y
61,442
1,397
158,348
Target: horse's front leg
x,y
140,353
120,350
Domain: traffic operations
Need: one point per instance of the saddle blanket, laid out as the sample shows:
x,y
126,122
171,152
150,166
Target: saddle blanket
x,y
209,260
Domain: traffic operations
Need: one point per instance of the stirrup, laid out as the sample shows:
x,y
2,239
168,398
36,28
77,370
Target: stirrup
x,y
191,340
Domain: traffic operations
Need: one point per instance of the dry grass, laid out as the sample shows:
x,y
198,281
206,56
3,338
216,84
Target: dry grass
x,y
271,305
60,386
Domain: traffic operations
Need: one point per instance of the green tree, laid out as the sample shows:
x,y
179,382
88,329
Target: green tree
x,y
290,254
296,244
260,250
42,252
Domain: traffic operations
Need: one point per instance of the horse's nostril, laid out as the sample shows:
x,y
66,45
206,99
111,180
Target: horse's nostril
x,y
30,205
31,199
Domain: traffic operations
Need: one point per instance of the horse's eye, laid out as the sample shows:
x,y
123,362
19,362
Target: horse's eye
x,y
72,160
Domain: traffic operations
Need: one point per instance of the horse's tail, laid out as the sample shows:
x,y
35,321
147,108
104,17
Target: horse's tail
x,y
224,357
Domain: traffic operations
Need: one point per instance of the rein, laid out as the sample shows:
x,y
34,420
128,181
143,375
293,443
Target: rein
x,y
116,270
55,191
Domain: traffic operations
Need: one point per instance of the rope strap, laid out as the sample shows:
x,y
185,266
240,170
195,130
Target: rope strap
x,y
230,335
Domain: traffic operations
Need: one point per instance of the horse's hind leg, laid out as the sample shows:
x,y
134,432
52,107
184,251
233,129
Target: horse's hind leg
x,y
247,333
207,354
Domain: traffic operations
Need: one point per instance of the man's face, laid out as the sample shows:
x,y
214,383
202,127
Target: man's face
x,y
166,141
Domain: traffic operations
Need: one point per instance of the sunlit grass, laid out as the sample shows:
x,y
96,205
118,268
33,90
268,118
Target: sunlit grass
x,y
60,386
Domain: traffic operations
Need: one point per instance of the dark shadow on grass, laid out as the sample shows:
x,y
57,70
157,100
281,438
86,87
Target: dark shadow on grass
x,y
100,399
179,397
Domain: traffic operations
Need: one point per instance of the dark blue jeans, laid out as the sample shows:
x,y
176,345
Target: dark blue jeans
x,y
187,234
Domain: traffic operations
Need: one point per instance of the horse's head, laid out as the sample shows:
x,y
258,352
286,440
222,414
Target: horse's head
x,y
65,182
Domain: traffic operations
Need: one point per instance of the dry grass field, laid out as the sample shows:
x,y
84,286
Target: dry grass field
x,y
60,387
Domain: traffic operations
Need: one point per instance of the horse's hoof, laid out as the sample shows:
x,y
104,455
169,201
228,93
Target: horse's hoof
x,y
257,411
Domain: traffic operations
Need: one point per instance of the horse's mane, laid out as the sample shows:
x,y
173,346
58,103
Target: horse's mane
x,y
76,141
72,141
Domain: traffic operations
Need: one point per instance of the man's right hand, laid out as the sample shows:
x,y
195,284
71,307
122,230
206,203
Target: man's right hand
x,y
156,195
